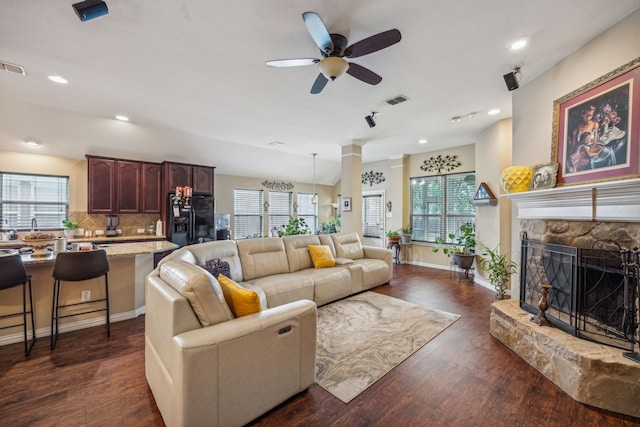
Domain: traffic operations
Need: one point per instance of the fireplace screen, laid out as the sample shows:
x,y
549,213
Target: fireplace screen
x,y
593,295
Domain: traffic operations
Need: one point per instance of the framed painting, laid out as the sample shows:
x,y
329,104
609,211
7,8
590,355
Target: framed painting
x,y
544,176
596,130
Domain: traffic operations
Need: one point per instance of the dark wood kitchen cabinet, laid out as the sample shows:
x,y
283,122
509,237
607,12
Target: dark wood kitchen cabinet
x,y
101,186
199,178
151,188
123,186
128,186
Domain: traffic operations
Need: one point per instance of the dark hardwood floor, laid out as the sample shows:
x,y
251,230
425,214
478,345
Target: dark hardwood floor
x,y
463,377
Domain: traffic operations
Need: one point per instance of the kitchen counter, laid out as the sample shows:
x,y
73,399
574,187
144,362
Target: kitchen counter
x,y
95,239
129,265
113,250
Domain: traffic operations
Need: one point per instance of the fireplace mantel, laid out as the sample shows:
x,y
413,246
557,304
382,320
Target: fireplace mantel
x,y
602,201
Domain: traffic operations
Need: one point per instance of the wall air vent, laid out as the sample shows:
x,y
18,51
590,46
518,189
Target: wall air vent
x,y
7,66
396,100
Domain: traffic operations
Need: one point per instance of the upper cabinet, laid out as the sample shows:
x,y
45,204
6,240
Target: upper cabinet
x,y
199,178
123,186
101,197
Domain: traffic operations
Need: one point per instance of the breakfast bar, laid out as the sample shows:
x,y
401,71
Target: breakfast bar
x,y
129,264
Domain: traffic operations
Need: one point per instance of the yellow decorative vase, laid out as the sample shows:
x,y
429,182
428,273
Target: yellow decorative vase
x,y
515,179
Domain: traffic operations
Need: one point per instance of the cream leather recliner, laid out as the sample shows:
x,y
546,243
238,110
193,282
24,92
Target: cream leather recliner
x,y
206,368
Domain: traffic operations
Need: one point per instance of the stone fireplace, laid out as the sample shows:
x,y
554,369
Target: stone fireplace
x,y
593,222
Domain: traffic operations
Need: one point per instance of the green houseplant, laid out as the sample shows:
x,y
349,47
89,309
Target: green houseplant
x,y
461,247
406,233
294,227
393,236
69,227
500,269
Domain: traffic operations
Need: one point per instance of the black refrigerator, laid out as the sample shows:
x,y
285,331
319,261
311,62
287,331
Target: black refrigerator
x,y
191,220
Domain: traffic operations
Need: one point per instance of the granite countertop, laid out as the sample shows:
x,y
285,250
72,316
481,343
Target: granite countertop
x,y
98,239
116,250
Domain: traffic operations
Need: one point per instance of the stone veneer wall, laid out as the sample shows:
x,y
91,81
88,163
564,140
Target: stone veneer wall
x,y
584,234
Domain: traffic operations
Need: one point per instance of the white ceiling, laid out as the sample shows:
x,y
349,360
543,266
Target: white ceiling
x,y
196,70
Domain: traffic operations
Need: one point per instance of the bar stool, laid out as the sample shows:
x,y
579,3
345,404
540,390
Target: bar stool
x,y
76,267
13,275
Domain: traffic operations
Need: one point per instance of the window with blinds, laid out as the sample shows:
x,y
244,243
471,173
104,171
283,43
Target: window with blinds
x,y
279,210
308,211
26,196
247,218
441,204
372,220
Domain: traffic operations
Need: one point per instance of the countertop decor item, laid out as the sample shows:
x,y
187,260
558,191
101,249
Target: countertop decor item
x,y
39,241
515,179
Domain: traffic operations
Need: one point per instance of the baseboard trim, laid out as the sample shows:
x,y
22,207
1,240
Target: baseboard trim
x,y
73,326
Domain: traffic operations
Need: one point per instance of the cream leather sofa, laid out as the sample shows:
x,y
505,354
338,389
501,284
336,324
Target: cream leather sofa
x,y
206,368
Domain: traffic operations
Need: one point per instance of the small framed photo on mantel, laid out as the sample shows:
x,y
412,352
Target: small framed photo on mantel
x,y
346,204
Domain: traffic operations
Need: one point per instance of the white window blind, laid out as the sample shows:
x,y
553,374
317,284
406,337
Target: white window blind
x,y
441,204
279,210
26,196
247,206
372,215
308,211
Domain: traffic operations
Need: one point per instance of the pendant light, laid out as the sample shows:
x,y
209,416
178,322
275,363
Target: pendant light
x,y
314,198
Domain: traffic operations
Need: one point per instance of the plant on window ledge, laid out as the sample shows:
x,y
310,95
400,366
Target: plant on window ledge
x,y
294,227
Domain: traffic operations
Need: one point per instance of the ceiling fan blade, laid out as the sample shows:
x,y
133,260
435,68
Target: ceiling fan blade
x,y
364,74
319,84
318,31
373,44
300,62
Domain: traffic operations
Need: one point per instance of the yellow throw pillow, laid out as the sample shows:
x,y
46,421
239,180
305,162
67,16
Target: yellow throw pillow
x,y
241,301
321,256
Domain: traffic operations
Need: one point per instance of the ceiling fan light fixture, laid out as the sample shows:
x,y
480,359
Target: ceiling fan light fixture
x,y
333,67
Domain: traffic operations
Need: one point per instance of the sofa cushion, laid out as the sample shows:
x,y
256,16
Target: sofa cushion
x,y
321,256
325,239
241,301
262,257
348,245
200,288
298,252
285,288
217,267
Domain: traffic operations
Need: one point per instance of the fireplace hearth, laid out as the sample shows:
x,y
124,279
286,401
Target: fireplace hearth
x,y
593,294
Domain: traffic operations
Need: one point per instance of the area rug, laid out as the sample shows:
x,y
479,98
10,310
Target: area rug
x,y
363,337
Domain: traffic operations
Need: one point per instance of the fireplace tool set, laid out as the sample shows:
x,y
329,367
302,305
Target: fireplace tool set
x,y
631,267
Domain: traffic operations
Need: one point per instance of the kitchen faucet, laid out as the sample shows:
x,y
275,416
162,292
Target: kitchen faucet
x,y
34,224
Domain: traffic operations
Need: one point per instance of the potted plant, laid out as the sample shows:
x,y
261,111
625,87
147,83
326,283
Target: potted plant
x,y
331,226
500,269
406,232
394,236
70,227
462,246
294,227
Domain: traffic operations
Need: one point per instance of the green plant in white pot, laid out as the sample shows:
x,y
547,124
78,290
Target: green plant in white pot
x,y
500,269
70,227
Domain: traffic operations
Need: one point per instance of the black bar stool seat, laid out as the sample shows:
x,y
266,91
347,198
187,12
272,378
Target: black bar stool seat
x,y
77,267
13,274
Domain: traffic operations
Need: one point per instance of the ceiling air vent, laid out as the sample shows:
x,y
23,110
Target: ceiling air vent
x,y
396,100
7,66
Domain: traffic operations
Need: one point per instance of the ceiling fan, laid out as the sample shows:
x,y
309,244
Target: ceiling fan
x,y
334,49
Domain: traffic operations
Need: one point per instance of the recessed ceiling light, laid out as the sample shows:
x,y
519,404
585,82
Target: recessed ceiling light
x,y
472,115
493,112
58,79
32,142
456,119
422,141
276,143
518,44
122,118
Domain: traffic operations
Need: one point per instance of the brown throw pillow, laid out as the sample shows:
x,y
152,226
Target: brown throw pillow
x,y
216,267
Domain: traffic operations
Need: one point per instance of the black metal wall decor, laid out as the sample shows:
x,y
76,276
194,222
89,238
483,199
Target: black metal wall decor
x,y
439,162
373,178
278,185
